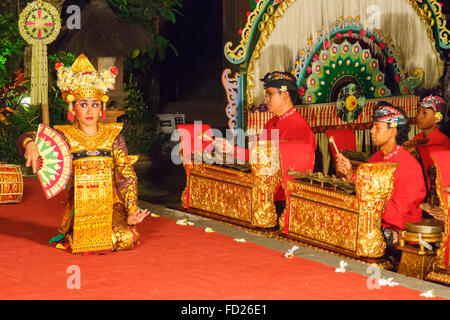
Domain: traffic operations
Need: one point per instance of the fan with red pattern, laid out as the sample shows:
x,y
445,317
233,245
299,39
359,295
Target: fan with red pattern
x,y
55,162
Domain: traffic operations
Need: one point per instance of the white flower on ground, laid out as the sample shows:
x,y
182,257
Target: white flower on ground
x,y
184,222
342,265
387,282
428,294
290,253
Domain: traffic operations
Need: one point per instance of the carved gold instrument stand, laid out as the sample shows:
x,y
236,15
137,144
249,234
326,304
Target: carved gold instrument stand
x,y
238,197
341,223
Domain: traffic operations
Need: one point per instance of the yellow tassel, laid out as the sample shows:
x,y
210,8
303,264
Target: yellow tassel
x,y
105,99
70,115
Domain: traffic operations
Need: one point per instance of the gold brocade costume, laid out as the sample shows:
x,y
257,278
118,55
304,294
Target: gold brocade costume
x,y
103,191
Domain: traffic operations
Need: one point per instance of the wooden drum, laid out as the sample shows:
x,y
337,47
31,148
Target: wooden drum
x,y
11,183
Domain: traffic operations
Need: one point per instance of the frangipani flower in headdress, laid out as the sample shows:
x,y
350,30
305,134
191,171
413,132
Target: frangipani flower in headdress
x,y
435,103
284,81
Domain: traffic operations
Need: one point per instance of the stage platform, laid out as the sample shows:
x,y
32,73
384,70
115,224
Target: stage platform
x,y
179,262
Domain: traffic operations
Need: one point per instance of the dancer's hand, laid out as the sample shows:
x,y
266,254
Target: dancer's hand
x,y
31,155
137,217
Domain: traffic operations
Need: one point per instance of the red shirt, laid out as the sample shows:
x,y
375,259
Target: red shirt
x,y
408,192
437,142
291,127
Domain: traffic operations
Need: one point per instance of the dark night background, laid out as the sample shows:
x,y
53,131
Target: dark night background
x,y
197,35
191,83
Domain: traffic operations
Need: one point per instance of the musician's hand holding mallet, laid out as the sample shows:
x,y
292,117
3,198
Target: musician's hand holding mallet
x,y
344,167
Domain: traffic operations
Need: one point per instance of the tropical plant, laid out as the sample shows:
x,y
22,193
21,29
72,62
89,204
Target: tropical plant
x,y
139,128
66,58
26,118
134,104
11,47
19,117
149,14
57,106
11,94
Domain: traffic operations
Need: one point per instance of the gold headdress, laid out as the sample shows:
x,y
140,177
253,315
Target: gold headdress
x,y
81,80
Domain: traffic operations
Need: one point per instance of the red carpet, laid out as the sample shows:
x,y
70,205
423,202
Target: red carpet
x,y
173,262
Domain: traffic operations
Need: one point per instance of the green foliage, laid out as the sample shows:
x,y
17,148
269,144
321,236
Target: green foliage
x,y
11,47
25,119
57,106
139,128
145,64
140,138
135,106
66,58
11,95
13,87
148,14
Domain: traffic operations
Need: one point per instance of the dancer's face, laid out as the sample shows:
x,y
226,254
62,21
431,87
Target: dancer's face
x,y
87,111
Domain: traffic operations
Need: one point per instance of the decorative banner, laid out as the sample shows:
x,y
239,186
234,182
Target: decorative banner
x,y
54,171
39,25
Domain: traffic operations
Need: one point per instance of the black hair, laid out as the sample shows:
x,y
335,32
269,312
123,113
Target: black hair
x,y
436,91
402,129
402,134
295,97
277,79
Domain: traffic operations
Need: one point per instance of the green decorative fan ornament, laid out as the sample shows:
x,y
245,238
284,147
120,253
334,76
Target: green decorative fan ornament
x,y
339,65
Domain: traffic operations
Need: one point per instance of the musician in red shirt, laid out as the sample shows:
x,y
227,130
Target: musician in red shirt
x,y
429,115
281,97
390,129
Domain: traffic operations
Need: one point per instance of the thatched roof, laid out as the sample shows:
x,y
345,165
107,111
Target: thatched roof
x,y
102,34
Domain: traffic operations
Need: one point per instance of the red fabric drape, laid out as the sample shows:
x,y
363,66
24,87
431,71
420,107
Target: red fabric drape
x,y
297,156
345,140
194,137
